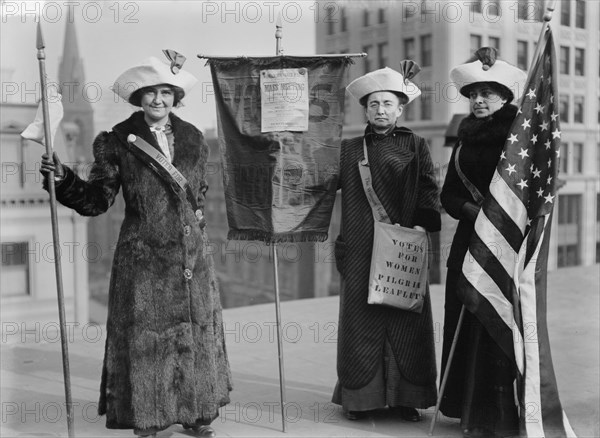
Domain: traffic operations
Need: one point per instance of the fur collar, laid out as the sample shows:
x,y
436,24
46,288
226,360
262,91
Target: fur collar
x,y
136,124
490,130
188,142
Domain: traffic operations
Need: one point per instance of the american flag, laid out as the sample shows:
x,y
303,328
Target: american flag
x,y
503,279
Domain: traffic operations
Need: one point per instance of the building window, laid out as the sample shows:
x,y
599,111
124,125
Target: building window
x,y
578,102
580,14
522,9
598,224
426,105
381,15
343,20
475,6
579,62
577,157
493,8
15,269
426,51
564,158
539,10
564,60
382,54
564,108
366,18
495,43
409,48
475,43
367,50
329,11
522,55
569,212
565,12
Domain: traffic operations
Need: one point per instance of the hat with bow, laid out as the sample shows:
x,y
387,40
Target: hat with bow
x,y
387,79
152,72
486,68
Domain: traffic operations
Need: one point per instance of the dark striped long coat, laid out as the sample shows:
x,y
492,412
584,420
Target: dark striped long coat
x,y
403,177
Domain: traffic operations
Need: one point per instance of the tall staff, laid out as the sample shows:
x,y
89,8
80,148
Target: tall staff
x,y
547,18
278,52
41,56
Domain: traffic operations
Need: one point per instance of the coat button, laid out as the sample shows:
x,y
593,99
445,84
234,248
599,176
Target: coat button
x,y
187,274
187,230
199,214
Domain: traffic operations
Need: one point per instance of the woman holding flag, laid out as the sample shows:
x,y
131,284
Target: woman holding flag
x,y
165,360
479,388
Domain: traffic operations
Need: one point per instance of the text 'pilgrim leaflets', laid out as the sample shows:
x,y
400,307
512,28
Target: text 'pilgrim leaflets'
x,y
284,99
398,267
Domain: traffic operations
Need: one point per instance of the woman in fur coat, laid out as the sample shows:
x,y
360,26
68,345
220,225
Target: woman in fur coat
x,y
479,389
385,356
165,360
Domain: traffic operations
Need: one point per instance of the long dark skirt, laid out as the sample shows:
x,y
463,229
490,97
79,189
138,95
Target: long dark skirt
x,y
480,385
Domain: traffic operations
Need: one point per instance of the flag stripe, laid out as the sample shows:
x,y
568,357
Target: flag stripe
x,y
504,223
510,202
494,308
495,242
533,400
485,256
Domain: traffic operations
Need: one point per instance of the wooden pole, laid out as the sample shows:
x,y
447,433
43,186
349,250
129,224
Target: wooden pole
x,y
447,370
279,51
41,56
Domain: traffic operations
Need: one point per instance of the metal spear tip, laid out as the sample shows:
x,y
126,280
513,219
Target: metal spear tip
x,y
39,37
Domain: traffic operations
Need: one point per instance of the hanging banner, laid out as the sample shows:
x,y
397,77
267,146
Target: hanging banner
x,y
280,125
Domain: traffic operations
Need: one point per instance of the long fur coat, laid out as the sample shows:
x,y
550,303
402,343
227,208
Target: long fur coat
x,y
165,359
404,180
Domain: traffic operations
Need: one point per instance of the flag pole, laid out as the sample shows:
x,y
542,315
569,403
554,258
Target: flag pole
x,y
41,56
547,17
538,47
279,52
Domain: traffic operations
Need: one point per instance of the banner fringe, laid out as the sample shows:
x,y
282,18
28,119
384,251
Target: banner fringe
x,y
268,238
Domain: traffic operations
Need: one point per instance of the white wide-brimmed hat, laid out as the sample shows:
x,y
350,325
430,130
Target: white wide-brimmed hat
x,y
486,68
387,79
153,71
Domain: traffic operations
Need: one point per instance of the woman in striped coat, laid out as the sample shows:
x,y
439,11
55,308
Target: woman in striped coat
x,y
385,355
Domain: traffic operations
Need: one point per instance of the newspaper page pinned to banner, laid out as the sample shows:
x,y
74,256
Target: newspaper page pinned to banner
x,y
280,158
284,99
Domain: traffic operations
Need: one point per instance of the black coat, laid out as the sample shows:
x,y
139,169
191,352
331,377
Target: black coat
x,y
165,360
482,143
404,180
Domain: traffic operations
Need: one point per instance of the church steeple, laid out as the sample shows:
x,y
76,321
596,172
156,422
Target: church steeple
x,y
71,65
78,117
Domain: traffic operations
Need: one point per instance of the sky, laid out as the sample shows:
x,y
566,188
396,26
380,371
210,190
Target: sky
x,y
114,36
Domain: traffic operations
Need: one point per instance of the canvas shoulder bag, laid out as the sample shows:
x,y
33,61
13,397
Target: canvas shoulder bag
x,y
398,275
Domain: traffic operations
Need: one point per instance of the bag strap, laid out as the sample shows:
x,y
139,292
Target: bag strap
x,y
156,161
477,196
379,212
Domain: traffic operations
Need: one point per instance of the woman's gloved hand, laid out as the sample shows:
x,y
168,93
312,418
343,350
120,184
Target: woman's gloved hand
x,y
470,210
53,165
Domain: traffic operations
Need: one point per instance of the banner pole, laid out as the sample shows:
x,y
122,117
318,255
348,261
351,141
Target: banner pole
x,y
41,56
279,51
447,370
